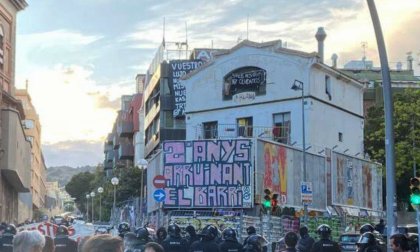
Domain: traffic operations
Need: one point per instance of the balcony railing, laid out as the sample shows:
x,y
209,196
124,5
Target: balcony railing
x,y
126,151
224,131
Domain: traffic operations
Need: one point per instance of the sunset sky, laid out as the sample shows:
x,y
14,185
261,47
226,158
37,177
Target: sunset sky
x,y
80,56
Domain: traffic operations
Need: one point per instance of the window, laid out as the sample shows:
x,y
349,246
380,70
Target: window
x,y
168,119
30,139
328,87
28,124
244,127
281,127
210,130
340,136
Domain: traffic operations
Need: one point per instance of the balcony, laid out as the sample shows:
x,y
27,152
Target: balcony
x,y
126,152
108,147
125,128
108,165
110,139
16,160
226,131
109,155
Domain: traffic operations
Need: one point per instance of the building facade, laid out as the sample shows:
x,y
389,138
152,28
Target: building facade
x,y
247,92
15,158
32,127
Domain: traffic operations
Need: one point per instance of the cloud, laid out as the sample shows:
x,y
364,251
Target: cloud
x,y
73,153
104,101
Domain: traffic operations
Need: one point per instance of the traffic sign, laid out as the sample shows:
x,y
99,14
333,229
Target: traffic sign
x,y
159,181
159,195
306,192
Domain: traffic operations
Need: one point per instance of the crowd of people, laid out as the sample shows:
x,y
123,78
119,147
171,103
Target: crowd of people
x,y
170,239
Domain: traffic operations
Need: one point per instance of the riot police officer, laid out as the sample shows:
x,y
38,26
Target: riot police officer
x,y
230,242
367,243
174,242
191,235
250,231
6,240
207,242
255,243
325,244
142,237
62,241
366,228
123,228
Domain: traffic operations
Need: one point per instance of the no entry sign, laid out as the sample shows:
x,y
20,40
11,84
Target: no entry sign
x,y
159,181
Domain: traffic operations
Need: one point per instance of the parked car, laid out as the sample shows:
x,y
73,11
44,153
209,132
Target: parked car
x,y
348,241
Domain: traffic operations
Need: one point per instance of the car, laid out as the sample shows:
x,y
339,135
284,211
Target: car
x,y
348,241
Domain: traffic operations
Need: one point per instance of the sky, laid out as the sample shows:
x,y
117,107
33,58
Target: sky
x,y
80,56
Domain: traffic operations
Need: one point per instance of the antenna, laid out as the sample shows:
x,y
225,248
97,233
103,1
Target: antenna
x,y
364,46
247,26
27,84
186,40
163,41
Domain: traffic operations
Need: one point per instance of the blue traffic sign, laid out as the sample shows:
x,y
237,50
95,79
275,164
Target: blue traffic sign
x,y
159,195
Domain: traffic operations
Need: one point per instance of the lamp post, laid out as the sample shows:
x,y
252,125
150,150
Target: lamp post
x,y
100,191
114,182
298,85
142,166
92,195
87,207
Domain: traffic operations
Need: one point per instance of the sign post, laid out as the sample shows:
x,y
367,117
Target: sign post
x,y
159,181
159,195
306,193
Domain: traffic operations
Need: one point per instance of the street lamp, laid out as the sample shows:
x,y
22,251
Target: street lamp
x,y
298,85
92,195
142,166
114,182
87,207
100,191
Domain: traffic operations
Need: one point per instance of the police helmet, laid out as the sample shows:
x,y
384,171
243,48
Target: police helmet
x,y
10,229
367,239
123,227
229,234
142,233
251,230
174,230
366,228
190,230
324,231
62,230
255,243
209,232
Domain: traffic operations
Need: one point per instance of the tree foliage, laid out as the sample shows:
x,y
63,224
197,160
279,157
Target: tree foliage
x,y
79,186
406,135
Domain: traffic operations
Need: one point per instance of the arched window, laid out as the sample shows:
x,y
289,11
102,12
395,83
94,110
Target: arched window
x,y
1,47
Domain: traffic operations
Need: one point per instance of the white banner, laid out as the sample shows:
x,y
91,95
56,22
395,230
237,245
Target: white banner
x,y
76,231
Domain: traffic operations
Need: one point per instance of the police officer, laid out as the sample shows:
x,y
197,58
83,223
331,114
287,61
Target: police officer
x,y
174,242
62,241
230,242
142,237
255,243
191,235
123,228
6,240
250,231
207,242
367,243
366,228
325,244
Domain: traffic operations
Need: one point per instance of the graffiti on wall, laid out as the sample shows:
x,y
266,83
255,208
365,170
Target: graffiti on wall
x,y
356,182
208,173
275,170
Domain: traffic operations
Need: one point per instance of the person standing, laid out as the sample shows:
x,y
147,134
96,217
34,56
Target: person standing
x,y
367,243
6,240
290,239
174,242
305,242
230,242
207,242
325,244
399,243
380,227
62,241
28,241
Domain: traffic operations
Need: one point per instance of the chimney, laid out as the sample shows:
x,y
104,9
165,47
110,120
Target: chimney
x,y
320,37
410,62
334,58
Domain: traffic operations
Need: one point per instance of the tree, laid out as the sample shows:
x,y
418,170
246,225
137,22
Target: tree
x,y
406,135
80,185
